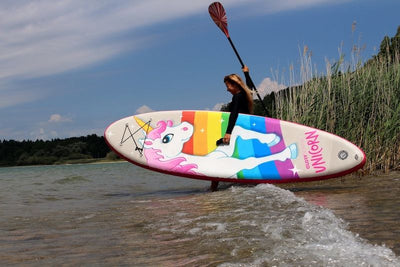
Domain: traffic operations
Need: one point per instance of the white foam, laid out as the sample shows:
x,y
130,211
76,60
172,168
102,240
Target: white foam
x,y
271,226
213,228
195,231
304,234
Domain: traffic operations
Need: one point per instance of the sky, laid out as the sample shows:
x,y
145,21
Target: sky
x,y
70,68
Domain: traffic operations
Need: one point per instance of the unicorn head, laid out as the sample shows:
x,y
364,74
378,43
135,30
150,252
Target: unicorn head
x,y
163,145
168,139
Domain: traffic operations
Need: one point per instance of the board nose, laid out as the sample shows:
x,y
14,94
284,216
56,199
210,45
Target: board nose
x,y
351,155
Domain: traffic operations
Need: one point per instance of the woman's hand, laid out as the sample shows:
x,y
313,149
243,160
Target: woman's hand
x,y
227,139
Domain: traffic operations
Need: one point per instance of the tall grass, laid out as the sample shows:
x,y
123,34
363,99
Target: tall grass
x,y
359,103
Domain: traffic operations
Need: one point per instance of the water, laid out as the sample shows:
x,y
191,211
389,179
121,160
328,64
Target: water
x,y
120,214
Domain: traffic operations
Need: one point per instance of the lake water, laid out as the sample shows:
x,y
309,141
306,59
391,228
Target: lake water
x,y
120,214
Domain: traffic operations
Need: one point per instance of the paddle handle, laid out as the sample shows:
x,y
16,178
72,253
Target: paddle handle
x,y
236,52
252,85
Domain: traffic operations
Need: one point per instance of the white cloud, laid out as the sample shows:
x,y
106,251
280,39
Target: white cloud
x,y
144,109
11,97
48,37
272,6
218,106
268,86
55,118
45,37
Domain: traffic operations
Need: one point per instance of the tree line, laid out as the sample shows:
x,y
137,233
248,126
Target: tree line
x,y
56,151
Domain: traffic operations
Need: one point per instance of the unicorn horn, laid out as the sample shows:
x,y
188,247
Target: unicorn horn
x,y
142,124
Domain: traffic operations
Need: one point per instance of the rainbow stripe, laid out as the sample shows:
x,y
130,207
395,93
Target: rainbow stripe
x,y
209,127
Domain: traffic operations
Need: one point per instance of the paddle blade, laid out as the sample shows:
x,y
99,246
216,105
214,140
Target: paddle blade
x,y
218,15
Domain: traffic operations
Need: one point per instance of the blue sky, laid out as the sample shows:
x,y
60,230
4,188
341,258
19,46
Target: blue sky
x,y
70,68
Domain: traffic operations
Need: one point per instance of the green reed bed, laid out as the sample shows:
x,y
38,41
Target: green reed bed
x,y
361,104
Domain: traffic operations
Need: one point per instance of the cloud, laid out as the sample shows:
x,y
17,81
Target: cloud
x,y
218,106
144,109
272,6
268,86
46,37
56,118
11,97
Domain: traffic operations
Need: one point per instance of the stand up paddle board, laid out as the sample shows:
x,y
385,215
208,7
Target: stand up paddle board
x,y
261,150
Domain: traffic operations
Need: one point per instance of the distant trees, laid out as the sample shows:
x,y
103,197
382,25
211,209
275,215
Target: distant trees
x,y
389,50
17,153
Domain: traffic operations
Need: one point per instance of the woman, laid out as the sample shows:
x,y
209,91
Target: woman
x,y
242,102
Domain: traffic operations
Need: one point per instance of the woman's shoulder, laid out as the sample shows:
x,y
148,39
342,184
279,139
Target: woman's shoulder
x,y
239,97
242,95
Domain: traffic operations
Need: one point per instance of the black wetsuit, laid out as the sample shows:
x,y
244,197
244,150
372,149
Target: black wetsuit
x,y
238,105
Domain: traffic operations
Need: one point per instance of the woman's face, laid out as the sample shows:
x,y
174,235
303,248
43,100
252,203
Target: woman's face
x,y
233,88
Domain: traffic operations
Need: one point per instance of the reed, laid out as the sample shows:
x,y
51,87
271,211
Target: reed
x,y
359,102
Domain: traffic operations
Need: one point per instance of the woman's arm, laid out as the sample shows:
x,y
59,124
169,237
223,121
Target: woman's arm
x,y
249,84
234,113
234,109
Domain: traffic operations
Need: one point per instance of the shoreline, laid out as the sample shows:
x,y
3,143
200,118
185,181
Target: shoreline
x,y
78,162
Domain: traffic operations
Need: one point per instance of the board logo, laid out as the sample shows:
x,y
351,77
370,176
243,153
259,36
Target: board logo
x,y
314,157
343,154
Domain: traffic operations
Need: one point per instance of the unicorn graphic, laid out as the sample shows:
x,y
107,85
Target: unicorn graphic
x,y
162,148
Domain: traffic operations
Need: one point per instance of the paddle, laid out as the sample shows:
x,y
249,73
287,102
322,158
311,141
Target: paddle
x,y
218,15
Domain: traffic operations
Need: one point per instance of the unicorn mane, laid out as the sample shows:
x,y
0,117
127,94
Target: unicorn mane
x,y
155,159
161,126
